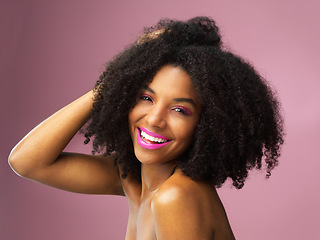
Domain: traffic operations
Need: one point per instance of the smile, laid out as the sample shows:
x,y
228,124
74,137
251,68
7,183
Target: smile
x,y
150,140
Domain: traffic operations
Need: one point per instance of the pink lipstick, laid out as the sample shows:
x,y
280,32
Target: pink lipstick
x,y
155,140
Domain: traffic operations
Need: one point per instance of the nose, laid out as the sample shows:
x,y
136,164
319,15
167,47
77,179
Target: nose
x,y
156,116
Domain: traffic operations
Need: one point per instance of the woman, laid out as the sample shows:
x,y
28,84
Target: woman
x,y
174,115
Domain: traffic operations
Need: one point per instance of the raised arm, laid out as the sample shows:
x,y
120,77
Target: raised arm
x,y
39,155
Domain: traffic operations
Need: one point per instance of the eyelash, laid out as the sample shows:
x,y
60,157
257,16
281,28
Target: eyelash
x,y
146,97
181,110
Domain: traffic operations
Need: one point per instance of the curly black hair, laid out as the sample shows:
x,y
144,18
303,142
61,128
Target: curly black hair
x,y
240,124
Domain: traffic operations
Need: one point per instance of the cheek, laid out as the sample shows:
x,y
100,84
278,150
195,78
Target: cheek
x,y
138,112
131,122
133,115
185,131
130,117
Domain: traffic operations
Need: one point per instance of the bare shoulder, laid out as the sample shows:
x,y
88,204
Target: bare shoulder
x,y
187,209
178,189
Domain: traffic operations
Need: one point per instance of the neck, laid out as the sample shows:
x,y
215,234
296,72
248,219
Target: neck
x,y
153,175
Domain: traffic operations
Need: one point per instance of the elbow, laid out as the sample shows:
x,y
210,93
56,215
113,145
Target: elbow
x,y
17,164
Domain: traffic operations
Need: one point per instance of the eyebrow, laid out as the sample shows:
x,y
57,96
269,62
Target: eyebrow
x,y
189,100
148,89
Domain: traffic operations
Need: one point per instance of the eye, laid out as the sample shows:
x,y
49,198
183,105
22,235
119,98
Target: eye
x,y
182,110
146,97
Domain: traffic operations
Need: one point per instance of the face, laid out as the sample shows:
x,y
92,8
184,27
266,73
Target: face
x,y
163,121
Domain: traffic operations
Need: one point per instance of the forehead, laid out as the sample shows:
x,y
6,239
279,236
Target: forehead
x,y
173,81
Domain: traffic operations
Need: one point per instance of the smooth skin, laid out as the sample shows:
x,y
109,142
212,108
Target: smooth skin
x,y
166,205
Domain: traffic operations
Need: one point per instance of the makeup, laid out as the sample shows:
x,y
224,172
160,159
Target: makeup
x,y
151,140
182,110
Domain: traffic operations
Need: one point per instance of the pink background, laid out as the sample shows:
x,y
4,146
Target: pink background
x,y
53,51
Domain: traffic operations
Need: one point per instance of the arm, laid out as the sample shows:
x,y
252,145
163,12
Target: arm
x,y
39,156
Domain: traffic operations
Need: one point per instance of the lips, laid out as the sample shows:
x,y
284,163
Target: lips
x,y
151,140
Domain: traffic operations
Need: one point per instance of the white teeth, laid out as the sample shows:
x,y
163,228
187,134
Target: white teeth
x,y
152,139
